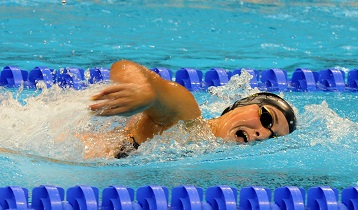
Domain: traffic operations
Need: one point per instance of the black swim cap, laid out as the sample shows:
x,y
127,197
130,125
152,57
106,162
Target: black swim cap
x,y
268,99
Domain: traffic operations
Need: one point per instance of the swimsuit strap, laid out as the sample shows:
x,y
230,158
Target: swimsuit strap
x,y
135,143
125,150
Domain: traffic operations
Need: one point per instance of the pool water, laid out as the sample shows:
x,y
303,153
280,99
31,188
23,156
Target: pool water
x,y
36,125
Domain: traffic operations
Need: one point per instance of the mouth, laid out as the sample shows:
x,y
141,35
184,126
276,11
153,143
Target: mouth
x,y
242,134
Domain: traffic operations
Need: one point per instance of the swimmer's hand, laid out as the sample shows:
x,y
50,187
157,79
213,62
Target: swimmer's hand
x,y
123,99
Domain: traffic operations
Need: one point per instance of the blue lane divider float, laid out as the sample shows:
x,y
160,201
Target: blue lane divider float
x,y
13,197
331,79
304,80
323,198
98,75
353,79
255,198
216,77
186,197
222,197
82,197
48,197
350,197
190,78
41,74
290,198
12,76
274,79
164,73
153,197
119,197
71,77
194,80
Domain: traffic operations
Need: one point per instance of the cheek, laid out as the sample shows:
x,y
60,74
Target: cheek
x,y
247,117
231,124
224,129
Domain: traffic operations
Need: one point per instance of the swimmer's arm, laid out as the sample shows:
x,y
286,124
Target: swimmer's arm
x,y
138,89
174,102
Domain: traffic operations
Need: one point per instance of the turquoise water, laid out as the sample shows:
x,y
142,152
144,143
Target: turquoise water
x,y
175,34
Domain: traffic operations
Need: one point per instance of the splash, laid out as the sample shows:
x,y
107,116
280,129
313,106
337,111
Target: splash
x,y
238,87
327,127
179,142
48,122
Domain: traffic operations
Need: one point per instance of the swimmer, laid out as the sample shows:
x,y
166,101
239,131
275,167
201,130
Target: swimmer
x,y
155,105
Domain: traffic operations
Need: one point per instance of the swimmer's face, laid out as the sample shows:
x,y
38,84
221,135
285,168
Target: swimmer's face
x,y
251,123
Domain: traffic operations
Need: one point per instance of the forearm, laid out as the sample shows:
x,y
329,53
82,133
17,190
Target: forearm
x,y
173,102
138,89
168,100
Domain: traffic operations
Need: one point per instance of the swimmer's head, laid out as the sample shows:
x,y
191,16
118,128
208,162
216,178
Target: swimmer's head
x,y
271,99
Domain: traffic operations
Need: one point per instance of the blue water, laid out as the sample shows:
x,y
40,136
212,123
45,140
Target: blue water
x,y
175,34
202,34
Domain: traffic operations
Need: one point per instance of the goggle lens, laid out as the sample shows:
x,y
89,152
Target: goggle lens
x,y
266,120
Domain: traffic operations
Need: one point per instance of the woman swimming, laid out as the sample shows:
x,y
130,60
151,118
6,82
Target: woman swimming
x,y
155,105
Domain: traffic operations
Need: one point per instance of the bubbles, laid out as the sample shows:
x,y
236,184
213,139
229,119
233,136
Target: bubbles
x,y
329,128
238,87
189,139
46,123
41,85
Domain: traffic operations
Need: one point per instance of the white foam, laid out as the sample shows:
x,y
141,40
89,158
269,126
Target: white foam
x,y
47,124
327,127
238,87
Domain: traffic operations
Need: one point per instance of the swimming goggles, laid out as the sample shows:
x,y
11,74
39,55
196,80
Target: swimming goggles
x,y
268,99
266,120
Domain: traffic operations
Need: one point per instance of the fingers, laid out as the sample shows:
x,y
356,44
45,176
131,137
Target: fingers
x,y
108,109
106,93
115,100
108,104
114,111
121,99
111,107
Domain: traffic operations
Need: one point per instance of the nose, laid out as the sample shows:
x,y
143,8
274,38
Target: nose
x,y
261,133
